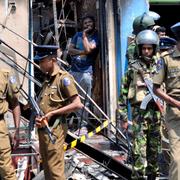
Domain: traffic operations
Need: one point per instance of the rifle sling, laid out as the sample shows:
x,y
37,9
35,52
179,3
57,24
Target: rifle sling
x,y
56,120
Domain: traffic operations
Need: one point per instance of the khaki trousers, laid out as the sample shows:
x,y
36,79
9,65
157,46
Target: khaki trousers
x,y
53,154
7,171
173,125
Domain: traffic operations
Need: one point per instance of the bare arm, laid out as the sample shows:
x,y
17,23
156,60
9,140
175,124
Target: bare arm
x,y
157,90
16,116
73,106
73,51
88,46
16,112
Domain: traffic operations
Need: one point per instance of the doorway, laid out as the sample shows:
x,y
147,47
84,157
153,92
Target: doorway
x,y
167,17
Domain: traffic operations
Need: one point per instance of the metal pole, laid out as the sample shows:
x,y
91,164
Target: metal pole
x,y
1,41
23,72
18,34
56,26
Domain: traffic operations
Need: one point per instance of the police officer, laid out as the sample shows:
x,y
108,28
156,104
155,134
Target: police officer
x,y
166,43
146,124
8,96
169,72
140,23
57,98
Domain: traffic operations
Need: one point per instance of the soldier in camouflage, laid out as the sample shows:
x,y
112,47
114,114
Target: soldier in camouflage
x,y
140,23
146,122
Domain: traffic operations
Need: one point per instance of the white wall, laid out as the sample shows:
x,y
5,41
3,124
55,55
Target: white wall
x,y
18,22
130,9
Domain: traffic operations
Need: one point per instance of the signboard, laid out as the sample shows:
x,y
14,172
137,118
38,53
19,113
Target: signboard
x,y
164,1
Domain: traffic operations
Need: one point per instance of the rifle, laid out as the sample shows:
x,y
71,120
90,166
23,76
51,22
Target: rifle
x,y
37,112
150,96
149,85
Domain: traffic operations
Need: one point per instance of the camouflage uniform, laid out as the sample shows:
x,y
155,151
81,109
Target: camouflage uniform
x,y
132,52
146,123
169,73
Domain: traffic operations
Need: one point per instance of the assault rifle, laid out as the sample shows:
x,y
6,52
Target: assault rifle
x,y
37,112
150,96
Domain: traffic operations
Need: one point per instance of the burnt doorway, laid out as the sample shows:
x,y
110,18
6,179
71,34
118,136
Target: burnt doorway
x,y
169,13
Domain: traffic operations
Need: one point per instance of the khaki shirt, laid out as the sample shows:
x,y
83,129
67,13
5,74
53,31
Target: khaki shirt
x,y
57,90
169,72
8,89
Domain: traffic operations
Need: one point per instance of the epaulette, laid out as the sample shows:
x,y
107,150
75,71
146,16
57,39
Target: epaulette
x,y
62,72
165,53
5,70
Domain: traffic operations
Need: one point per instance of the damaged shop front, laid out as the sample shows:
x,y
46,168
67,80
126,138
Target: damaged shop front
x,y
25,24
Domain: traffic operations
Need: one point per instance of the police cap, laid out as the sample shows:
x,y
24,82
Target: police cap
x,y
166,43
43,51
176,30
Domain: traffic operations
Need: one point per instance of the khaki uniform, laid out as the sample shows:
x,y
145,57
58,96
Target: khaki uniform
x,y
8,90
169,73
55,94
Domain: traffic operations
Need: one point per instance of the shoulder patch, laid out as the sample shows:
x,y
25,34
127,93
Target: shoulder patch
x,y
159,65
5,70
12,79
165,53
66,81
61,71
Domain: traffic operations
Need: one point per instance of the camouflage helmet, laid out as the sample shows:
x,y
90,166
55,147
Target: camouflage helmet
x,y
147,37
154,15
142,22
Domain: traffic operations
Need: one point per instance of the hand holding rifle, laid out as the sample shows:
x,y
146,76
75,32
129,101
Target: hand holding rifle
x,y
42,121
